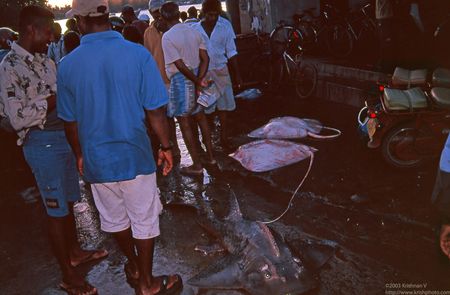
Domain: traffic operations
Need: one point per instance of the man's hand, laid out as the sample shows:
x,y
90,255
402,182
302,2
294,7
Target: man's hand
x,y
165,158
71,130
80,165
199,85
157,119
445,239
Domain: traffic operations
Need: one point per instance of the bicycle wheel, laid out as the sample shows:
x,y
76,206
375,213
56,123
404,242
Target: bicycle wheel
x,y
339,40
402,146
305,78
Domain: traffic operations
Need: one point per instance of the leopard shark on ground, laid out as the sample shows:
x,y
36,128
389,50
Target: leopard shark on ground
x,y
259,261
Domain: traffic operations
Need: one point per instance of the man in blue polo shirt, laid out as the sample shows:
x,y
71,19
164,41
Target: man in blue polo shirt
x,y
107,88
441,198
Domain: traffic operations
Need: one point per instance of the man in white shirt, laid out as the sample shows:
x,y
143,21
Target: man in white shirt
x,y
219,37
186,62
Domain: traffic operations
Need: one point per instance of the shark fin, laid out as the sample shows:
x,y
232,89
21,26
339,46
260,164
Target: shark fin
x,y
222,274
268,234
235,211
314,254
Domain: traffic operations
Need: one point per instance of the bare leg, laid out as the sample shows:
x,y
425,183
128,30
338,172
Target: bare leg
x,y
206,133
197,137
186,126
148,284
145,250
126,244
59,241
223,127
71,230
173,136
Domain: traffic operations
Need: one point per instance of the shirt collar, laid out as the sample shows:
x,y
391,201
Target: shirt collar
x,y
110,34
218,26
21,52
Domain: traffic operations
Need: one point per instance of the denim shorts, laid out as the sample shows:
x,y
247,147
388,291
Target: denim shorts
x,y
53,164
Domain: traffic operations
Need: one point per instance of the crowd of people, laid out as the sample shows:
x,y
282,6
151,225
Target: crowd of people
x,y
87,102
101,101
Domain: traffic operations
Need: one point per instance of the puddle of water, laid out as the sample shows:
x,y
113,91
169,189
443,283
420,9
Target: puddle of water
x,y
186,159
87,219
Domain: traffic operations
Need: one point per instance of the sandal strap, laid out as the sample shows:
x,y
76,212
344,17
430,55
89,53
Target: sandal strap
x,y
164,282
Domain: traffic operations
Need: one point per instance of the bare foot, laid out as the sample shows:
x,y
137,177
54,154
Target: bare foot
x,y
80,256
161,283
74,284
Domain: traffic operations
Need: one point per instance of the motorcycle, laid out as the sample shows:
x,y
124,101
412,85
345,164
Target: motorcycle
x,y
408,125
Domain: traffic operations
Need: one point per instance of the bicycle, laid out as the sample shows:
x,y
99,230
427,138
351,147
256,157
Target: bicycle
x,y
343,32
287,58
338,33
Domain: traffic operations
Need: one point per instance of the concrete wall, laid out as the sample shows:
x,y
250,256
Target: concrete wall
x,y
284,9
271,12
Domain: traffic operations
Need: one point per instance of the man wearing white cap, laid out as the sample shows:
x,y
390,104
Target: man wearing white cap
x,y
104,104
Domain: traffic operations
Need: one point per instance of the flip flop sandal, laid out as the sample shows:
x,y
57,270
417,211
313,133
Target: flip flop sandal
x,y
75,290
174,289
95,255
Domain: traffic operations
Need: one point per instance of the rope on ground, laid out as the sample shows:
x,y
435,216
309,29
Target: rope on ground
x,y
311,161
318,136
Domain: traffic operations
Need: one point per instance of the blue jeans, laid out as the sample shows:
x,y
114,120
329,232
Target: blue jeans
x,y
53,164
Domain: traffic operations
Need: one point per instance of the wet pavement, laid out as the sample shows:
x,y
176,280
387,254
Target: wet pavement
x,y
379,217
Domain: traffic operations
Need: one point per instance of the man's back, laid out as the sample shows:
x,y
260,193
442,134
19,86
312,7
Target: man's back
x,y
105,85
182,42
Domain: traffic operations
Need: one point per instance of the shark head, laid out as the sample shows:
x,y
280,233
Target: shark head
x,y
269,267
264,266
260,261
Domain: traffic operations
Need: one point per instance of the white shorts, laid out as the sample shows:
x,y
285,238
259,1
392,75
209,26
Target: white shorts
x,y
128,203
225,102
